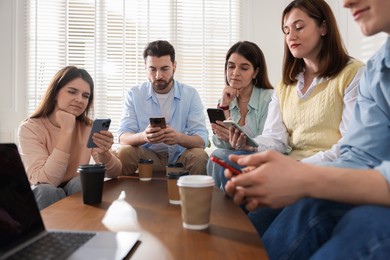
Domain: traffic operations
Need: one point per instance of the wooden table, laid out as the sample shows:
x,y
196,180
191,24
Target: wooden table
x,y
230,235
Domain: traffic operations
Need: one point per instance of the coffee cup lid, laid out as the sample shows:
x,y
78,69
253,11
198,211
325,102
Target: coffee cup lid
x,y
176,165
92,166
176,175
195,181
148,161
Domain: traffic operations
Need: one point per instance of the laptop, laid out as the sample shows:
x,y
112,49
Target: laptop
x,y
22,228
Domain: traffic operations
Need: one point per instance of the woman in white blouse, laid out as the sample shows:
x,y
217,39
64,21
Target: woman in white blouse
x,y
311,107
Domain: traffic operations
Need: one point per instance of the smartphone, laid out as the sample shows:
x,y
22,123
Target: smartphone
x,y
251,141
215,114
97,126
226,165
158,122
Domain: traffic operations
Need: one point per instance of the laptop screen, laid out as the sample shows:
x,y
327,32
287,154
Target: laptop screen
x,y
20,218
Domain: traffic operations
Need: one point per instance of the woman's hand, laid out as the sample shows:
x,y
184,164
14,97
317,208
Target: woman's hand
x,y
238,140
228,94
66,121
220,130
104,141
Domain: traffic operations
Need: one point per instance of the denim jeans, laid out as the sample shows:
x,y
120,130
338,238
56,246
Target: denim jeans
x,y
301,229
363,233
262,218
217,171
320,229
46,194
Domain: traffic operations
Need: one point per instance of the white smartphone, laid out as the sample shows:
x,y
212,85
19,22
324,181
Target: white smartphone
x,y
97,126
251,141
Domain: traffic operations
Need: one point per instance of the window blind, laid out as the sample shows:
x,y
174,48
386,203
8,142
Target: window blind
x,y
107,38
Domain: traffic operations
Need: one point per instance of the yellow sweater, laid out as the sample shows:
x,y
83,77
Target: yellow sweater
x,y
313,122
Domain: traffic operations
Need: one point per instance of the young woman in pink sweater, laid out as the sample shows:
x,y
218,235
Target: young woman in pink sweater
x,y
53,140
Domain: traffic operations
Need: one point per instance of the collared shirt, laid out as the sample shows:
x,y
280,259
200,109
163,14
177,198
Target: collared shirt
x,y
187,114
367,142
255,118
275,135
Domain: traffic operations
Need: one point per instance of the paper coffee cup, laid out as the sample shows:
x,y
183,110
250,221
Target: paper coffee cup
x,y
196,194
92,180
174,167
173,189
145,169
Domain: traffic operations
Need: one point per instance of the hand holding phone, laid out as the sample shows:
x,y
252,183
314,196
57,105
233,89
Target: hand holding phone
x,y
158,122
97,126
215,114
226,165
251,141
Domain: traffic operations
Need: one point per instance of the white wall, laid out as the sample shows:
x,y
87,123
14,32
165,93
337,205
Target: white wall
x,y
262,23
260,20
12,83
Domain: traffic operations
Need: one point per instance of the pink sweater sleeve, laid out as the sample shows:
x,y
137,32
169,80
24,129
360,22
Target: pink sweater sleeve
x,y
41,165
113,167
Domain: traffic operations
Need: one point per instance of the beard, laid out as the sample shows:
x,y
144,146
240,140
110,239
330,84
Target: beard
x,y
160,85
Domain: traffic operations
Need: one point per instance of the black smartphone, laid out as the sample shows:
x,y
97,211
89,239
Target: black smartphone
x,y
97,126
226,165
215,114
158,122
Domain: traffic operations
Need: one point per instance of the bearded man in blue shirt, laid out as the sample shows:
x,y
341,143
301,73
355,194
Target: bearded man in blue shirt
x,y
185,136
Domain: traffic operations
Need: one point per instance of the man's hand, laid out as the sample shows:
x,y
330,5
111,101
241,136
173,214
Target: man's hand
x,y
154,135
272,180
171,137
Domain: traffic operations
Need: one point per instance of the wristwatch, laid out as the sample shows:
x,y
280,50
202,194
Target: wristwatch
x,y
223,108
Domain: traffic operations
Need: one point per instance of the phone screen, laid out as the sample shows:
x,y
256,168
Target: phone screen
x,y
97,126
158,122
215,114
226,165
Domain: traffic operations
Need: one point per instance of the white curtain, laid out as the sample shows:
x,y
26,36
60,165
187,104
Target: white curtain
x,y
107,38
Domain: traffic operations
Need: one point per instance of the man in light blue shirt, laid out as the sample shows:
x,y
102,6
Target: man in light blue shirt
x,y
185,136
331,212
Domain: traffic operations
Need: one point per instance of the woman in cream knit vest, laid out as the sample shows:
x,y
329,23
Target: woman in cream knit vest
x,y
312,105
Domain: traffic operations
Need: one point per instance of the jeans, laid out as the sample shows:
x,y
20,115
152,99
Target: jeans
x,y
363,233
217,171
262,218
320,229
46,194
299,230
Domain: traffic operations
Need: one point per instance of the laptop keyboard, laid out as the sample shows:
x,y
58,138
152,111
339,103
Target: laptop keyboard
x,y
54,245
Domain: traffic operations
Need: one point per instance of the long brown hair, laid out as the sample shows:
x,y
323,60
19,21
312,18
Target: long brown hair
x,y
255,56
61,78
333,56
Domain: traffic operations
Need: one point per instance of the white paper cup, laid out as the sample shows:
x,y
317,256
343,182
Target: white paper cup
x,y
196,194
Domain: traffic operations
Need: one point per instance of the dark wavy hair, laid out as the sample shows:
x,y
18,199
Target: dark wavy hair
x,y
255,56
333,56
60,79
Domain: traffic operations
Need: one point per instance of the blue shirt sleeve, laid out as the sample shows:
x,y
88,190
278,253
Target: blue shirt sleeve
x,y
366,143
